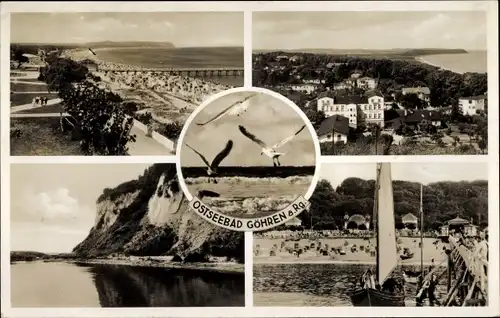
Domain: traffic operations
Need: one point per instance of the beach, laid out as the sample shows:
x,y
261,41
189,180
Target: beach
x,y
475,61
168,98
218,265
360,256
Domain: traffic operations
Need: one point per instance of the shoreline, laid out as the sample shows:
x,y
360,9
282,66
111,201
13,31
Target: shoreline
x,y
337,262
422,59
216,267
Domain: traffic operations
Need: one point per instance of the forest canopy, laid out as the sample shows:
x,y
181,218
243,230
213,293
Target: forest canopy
x,y
442,201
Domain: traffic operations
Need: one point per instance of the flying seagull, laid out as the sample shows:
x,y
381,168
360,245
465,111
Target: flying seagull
x,y
270,151
236,108
212,169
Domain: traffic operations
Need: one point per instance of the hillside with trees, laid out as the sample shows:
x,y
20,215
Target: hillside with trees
x,y
442,201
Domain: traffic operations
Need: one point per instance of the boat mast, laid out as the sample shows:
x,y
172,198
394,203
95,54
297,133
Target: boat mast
x,y
375,219
421,232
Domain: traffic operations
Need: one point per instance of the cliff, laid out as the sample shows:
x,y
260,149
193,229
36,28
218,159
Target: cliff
x,y
150,216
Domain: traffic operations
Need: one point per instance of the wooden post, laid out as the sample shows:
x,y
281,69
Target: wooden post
x,y
450,269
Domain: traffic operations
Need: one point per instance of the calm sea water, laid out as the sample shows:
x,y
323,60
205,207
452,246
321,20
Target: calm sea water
x,y
69,285
226,57
461,63
313,284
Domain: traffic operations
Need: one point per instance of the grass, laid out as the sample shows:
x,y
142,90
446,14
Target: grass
x,y
21,99
41,137
23,87
43,109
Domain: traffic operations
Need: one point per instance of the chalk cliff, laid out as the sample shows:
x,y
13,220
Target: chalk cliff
x,y
150,216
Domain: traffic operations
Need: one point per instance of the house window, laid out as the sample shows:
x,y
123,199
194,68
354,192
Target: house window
x,y
339,137
336,108
342,108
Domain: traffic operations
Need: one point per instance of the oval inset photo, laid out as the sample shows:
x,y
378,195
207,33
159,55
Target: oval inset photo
x,y
247,159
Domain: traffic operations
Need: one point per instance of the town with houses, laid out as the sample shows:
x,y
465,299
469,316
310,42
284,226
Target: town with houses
x,y
350,109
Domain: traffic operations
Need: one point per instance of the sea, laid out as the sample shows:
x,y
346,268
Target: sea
x,y
321,285
204,57
474,61
52,284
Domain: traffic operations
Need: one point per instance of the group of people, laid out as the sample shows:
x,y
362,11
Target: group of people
x,y
39,101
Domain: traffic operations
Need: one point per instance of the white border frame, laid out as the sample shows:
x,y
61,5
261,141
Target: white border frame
x,y
489,7
284,100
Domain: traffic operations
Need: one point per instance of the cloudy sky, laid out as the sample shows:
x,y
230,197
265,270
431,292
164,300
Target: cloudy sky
x,y
415,172
268,118
369,30
184,29
53,205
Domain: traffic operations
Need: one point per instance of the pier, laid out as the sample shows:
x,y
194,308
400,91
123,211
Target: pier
x,y
467,277
195,72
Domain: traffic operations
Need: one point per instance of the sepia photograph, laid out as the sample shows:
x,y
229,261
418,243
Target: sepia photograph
x,y
391,83
249,154
116,83
381,235
122,238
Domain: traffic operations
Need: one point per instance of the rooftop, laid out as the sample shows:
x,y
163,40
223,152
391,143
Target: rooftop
x,y
337,123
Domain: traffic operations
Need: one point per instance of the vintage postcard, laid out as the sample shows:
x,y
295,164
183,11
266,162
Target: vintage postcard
x,y
249,159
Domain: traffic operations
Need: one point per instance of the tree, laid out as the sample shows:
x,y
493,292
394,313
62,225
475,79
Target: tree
x,y
17,54
316,117
62,72
411,101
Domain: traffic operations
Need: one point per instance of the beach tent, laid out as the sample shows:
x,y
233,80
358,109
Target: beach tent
x,y
410,221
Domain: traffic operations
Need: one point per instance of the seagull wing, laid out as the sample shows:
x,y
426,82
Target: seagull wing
x,y
223,154
234,109
287,139
199,154
252,137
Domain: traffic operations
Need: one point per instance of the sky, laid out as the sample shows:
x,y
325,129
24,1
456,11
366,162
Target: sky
x,y
268,118
183,29
415,172
369,30
53,206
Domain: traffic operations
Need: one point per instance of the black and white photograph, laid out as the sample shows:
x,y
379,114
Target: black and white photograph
x,y
116,235
116,83
249,154
380,82
381,235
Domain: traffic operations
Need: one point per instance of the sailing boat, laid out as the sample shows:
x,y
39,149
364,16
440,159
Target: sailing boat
x,y
371,294
410,276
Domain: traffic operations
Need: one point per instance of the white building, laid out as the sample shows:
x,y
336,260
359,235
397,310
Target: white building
x,y
357,109
305,88
294,222
424,93
366,83
469,106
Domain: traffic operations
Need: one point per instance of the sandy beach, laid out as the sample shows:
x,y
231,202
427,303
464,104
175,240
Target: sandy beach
x,y
167,98
359,256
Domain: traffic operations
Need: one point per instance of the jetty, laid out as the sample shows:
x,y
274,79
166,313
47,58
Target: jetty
x,y
219,71
467,277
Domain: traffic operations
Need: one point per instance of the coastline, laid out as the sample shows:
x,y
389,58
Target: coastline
x,y
216,267
423,60
336,262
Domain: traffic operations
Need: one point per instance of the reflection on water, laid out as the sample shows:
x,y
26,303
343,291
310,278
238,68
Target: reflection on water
x,y
68,285
314,284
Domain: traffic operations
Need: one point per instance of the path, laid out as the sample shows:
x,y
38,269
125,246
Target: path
x,y
15,109
142,146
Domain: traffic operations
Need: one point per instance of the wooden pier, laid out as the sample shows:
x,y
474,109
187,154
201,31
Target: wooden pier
x,y
467,277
